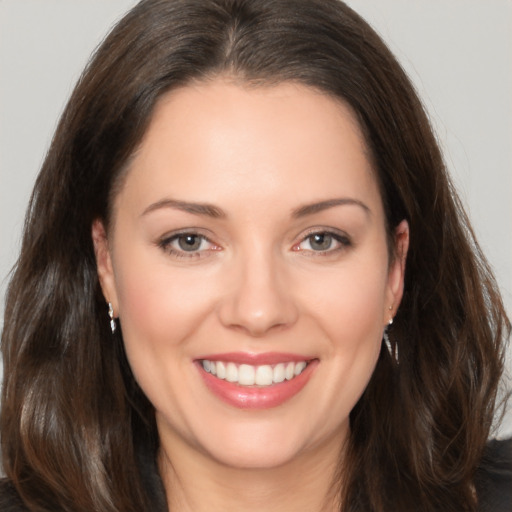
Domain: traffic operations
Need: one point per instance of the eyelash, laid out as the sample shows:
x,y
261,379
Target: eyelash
x,y
342,240
165,244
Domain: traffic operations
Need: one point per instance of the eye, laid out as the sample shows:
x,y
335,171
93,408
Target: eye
x,y
323,242
190,242
320,241
187,245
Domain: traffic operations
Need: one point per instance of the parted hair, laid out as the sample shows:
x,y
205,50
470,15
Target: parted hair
x,y
74,422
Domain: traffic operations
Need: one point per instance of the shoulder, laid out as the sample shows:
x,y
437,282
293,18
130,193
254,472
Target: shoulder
x,y
494,477
9,499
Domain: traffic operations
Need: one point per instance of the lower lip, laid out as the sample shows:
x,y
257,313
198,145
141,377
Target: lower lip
x,y
266,397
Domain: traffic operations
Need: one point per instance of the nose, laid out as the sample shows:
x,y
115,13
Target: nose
x,y
259,299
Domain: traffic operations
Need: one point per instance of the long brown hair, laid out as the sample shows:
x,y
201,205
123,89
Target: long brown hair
x,y
73,420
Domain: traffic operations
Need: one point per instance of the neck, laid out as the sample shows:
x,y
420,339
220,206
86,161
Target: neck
x,y
196,483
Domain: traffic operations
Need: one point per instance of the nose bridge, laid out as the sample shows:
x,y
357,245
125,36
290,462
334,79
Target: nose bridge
x,y
259,299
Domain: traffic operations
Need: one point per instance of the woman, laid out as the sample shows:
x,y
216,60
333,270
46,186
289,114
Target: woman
x,y
241,197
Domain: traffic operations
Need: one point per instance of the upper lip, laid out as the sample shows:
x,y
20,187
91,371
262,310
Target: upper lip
x,y
256,359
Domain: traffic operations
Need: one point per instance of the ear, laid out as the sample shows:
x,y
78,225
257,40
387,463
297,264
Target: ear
x,y
104,263
396,275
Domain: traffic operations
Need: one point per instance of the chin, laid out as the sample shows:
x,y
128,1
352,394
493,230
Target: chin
x,y
268,443
256,455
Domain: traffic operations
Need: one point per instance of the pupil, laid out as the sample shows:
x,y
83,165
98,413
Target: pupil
x,y
321,242
189,242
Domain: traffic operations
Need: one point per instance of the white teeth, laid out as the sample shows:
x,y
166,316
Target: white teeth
x,y
264,375
246,375
249,375
299,368
289,371
278,373
231,372
221,369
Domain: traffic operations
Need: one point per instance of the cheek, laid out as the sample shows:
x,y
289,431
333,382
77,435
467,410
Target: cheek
x,y
160,310
350,302
159,305
351,317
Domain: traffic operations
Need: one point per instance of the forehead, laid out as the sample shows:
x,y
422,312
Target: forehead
x,y
209,139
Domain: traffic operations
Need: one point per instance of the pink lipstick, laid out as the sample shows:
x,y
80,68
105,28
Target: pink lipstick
x,y
256,381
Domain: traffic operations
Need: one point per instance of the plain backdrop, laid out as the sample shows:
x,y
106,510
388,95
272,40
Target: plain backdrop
x,y
457,52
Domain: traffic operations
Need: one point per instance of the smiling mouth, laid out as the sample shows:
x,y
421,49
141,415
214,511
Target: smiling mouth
x,y
254,375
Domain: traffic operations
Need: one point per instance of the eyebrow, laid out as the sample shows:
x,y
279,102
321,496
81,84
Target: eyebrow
x,y
312,208
210,210
195,208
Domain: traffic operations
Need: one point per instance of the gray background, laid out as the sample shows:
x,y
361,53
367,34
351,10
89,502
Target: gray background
x,y
458,54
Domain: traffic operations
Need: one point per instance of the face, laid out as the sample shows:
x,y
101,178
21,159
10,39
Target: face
x,y
249,268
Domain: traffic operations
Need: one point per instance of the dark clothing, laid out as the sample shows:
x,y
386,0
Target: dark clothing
x,y
494,478
9,499
493,483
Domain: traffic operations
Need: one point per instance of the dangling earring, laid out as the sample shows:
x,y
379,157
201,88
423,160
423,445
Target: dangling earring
x,y
112,319
393,350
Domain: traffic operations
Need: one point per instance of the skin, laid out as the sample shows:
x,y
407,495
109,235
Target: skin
x,y
258,283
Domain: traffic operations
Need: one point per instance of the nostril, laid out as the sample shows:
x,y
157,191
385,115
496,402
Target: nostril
x,y
257,320
257,300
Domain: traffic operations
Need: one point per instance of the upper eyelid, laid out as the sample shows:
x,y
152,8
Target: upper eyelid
x,y
166,244
186,231
340,237
323,230
165,241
